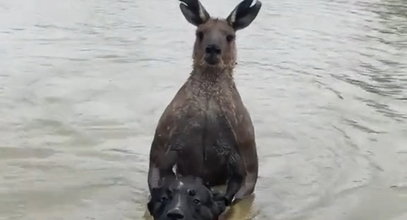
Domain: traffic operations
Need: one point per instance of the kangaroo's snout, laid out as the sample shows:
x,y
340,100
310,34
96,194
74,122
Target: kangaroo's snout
x,y
213,49
212,54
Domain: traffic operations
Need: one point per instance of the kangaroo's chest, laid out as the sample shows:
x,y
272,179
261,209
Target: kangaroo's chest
x,y
203,134
203,124
207,141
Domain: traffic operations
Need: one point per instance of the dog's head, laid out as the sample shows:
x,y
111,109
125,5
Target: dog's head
x,y
185,198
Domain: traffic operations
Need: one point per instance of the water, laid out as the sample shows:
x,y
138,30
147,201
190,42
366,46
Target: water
x,y
83,83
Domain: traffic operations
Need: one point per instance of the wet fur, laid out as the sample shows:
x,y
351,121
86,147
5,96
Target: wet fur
x,y
177,194
206,131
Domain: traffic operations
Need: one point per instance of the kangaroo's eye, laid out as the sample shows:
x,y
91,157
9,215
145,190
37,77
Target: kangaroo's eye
x,y
200,35
230,38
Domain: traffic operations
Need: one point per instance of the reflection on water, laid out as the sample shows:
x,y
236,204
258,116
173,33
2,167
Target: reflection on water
x,y
83,83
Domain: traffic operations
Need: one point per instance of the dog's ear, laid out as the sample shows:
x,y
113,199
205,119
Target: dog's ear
x,y
219,203
155,196
150,206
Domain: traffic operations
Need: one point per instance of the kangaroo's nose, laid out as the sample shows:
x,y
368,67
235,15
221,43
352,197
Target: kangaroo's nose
x,y
175,214
213,49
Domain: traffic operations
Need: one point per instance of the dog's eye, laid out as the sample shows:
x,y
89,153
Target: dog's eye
x,y
196,201
163,199
191,192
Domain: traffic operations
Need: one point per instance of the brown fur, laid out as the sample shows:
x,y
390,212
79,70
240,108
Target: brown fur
x,y
215,28
206,131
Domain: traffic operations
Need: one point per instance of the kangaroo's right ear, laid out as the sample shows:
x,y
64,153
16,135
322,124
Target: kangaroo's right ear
x,y
194,12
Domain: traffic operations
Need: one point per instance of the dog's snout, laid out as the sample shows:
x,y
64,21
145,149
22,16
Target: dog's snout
x,y
175,214
213,49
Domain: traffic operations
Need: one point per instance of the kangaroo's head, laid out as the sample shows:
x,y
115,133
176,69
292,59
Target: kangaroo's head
x,y
215,45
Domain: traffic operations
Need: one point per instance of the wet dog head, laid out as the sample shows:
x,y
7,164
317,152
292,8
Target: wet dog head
x,y
185,198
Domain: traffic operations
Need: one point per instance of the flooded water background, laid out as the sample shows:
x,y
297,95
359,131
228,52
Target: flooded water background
x,y
83,83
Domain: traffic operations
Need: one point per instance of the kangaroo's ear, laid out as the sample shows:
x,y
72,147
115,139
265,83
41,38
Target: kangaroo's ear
x,y
244,13
194,12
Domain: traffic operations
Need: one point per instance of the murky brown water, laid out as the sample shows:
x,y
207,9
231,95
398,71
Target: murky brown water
x,y
83,83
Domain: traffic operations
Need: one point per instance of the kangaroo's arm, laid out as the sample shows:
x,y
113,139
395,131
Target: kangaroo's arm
x,y
247,170
247,148
162,159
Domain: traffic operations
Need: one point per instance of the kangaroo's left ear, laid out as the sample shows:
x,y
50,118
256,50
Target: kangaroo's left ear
x,y
244,14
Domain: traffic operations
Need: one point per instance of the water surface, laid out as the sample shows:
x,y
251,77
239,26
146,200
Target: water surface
x,y
83,83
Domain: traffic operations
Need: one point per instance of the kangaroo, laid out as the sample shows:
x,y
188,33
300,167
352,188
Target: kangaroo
x,y
206,131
